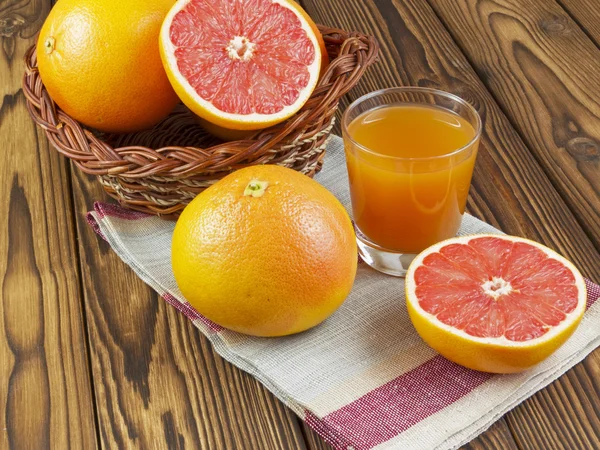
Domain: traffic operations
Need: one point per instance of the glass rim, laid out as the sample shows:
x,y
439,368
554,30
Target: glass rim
x,y
448,95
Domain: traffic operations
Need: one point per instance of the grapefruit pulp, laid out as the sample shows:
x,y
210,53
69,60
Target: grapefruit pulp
x,y
494,303
241,65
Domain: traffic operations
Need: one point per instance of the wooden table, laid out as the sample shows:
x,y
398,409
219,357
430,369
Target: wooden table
x,y
90,356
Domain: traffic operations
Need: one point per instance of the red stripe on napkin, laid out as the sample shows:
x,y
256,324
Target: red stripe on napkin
x,y
108,209
93,223
396,406
189,312
593,292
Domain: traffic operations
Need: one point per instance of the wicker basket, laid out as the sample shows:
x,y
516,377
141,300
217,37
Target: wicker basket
x,y
159,171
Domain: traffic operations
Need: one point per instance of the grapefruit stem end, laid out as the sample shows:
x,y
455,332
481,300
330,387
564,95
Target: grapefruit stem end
x,y
49,45
256,188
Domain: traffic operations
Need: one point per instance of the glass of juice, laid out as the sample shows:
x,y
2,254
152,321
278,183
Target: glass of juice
x,y
410,154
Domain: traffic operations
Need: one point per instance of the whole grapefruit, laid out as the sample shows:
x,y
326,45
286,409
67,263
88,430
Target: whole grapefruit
x,y
100,62
265,251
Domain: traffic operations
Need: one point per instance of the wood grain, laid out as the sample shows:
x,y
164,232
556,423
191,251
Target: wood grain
x,y
157,381
497,437
526,51
509,189
159,384
313,440
562,416
587,15
545,73
45,389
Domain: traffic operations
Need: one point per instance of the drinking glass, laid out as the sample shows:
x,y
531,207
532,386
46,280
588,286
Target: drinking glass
x,y
407,194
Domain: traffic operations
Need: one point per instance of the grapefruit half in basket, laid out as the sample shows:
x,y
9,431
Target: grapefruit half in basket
x,y
494,303
242,65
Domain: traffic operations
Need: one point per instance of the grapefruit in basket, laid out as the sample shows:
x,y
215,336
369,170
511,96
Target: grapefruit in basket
x,y
494,303
242,65
265,251
100,62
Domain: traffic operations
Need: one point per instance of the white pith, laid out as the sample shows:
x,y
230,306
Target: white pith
x,y
253,118
497,287
243,44
501,341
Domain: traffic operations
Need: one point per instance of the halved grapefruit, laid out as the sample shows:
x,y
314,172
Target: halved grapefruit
x,y
494,303
242,65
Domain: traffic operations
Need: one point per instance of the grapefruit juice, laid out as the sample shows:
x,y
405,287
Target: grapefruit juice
x,y
409,168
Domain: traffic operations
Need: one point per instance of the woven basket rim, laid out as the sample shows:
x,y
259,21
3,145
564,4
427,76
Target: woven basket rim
x,y
292,142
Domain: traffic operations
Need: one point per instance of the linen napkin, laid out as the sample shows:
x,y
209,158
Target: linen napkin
x,y
363,379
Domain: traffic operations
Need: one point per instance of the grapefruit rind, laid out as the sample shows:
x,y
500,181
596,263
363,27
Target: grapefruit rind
x,y
491,354
205,109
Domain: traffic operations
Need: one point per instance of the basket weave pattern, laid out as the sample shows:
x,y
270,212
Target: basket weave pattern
x,y
159,171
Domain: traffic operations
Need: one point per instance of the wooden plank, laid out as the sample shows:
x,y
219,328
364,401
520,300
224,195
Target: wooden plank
x,y
159,384
313,440
563,416
526,51
45,392
587,15
497,437
545,73
510,190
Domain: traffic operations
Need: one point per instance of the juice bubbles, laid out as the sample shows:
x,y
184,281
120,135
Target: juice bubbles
x,y
410,168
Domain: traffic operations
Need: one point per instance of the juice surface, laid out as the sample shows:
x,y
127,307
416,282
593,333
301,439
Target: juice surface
x,y
408,205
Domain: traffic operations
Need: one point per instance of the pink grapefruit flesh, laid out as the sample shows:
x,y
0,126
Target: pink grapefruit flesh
x,y
494,291
241,64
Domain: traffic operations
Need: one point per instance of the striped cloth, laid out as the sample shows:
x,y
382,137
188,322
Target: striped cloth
x,y
363,379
